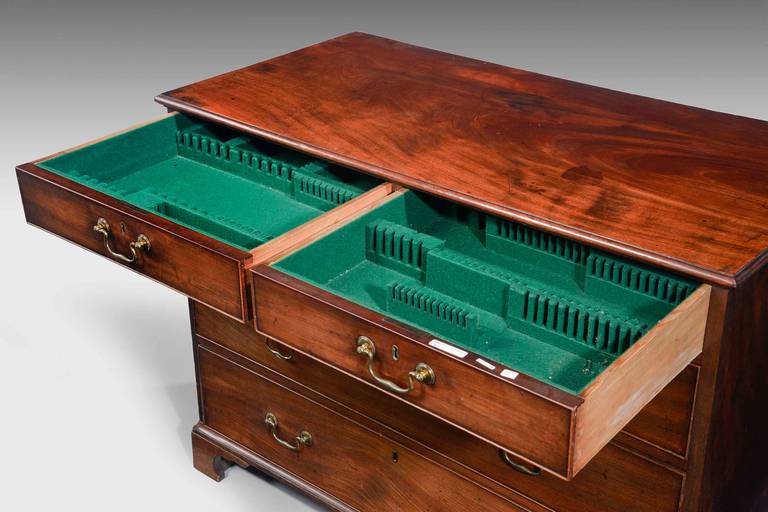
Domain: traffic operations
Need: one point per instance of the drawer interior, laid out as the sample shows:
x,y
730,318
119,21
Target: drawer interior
x,y
235,188
552,308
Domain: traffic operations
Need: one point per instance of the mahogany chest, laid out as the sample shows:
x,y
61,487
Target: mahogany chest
x,y
419,281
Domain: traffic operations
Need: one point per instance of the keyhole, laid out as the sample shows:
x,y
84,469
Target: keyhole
x,y
395,457
122,227
395,353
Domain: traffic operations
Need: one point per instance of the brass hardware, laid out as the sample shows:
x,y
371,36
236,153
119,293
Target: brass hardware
x,y
395,353
422,373
519,467
141,244
303,439
276,352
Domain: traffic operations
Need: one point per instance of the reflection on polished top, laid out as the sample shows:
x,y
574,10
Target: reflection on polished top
x,y
673,185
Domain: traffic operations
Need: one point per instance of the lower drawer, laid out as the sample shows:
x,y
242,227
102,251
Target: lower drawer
x,y
359,467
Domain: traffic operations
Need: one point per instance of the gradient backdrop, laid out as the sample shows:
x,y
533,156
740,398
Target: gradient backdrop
x,y
97,391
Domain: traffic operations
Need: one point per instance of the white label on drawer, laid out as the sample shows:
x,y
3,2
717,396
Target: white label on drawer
x,y
449,349
485,363
510,374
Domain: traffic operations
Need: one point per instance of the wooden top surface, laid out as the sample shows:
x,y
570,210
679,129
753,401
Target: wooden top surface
x,y
677,186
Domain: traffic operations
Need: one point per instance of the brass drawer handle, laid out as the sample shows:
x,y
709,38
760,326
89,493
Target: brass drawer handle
x,y
141,243
276,352
422,373
303,439
534,471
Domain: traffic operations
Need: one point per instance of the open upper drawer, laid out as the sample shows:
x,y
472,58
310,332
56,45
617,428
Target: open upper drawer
x,y
537,344
190,204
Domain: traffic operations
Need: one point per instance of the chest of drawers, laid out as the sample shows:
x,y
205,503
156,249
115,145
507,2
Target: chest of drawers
x,y
420,281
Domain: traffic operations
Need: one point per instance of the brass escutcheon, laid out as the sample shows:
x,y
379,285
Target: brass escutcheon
x,y
422,373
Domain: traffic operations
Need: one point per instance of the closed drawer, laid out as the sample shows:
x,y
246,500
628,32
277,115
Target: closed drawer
x,y
615,480
541,347
666,421
359,467
189,204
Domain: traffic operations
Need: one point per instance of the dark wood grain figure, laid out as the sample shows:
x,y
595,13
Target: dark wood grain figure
x,y
678,186
186,260
357,466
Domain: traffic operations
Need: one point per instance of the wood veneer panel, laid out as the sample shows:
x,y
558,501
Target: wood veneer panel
x,y
730,445
673,185
346,460
188,261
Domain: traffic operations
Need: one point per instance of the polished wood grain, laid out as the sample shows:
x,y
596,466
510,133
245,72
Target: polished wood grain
x,y
616,480
543,425
677,186
730,441
359,467
213,460
190,262
213,450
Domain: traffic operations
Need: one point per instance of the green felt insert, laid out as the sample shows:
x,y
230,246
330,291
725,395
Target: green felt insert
x,y
238,189
546,306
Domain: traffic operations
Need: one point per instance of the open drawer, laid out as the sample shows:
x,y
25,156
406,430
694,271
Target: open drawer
x,y
539,345
190,204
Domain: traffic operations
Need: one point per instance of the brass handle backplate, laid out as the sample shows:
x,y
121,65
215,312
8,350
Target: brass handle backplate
x,y
303,439
276,352
533,471
141,244
423,373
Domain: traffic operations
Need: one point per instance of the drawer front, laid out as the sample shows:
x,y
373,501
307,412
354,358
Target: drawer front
x,y
612,481
664,422
197,266
357,466
537,425
540,424
616,480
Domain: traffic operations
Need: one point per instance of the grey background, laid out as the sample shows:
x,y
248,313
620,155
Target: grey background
x,y
96,381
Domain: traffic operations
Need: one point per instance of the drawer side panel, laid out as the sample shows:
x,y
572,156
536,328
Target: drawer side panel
x,y
633,380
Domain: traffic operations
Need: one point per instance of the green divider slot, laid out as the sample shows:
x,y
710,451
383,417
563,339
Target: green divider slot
x,y
440,312
236,188
398,247
552,308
